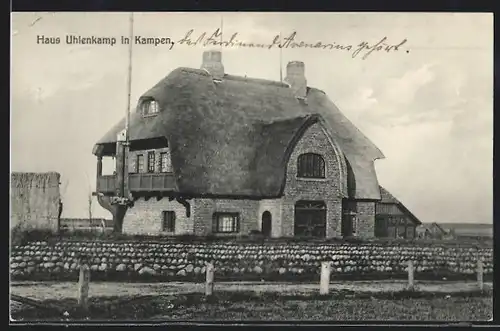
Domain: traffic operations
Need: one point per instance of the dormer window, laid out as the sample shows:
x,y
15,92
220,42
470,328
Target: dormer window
x,y
150,107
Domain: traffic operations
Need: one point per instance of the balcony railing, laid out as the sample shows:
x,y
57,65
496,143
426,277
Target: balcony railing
x,y
146,182
152,182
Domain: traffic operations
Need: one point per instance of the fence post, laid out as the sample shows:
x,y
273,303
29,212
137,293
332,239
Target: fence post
x,y
480,272
83,286
411,278
325,278
209,283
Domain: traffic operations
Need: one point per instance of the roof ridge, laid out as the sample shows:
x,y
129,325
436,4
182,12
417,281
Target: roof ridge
x,y
261,81
204,72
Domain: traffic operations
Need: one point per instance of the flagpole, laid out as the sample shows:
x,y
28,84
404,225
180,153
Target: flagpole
x,y
281,60
127,117
221,27
129,77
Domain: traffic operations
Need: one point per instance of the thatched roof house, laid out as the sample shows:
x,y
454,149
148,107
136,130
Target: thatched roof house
x,y
219,131
257,153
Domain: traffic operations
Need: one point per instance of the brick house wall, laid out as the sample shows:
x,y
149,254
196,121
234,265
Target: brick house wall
x,y
330,190
203,210
365,227
146,218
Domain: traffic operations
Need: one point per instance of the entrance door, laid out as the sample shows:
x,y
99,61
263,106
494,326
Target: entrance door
x,y
348,218
310,219
266,223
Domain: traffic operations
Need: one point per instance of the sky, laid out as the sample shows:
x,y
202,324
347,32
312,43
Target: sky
x,y
428,106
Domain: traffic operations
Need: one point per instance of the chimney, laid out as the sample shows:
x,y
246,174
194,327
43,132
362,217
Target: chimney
x,y
295,76
212,62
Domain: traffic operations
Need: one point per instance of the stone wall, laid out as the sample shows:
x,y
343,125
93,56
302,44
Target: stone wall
x,y
330,190
166,261
35,200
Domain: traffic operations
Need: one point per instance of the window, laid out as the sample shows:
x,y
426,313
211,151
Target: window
x,y
168,223
150,107
409,232
140,163
391,231
166,165
311,165
380,227
226,222
151,161
401,232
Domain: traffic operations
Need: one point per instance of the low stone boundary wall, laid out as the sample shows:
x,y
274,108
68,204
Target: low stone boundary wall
x,y
155,261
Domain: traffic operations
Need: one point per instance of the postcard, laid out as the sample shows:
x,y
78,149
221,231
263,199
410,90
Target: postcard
x,y
248,166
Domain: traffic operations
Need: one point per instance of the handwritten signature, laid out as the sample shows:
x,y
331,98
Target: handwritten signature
x,y
364,48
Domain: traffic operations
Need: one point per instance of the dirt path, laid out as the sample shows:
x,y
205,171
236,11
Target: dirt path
x,y
61,290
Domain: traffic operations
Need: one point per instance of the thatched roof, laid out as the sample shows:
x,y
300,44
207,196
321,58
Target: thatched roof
x,y
233,137
387,197
27,179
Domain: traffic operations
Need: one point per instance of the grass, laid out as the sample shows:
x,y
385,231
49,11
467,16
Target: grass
x,y
134,277
342,305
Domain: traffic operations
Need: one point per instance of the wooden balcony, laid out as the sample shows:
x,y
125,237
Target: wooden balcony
x,y
145,182
106,184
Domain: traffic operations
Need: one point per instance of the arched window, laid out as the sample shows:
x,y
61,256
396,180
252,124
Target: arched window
x,y
150,107
311,165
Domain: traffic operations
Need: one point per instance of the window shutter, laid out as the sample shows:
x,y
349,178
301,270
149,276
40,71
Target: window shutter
x,y
140,163
151,161
237,221
158,163
168,161
172,221
165,162
321,167
132,164
163,220
214,223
